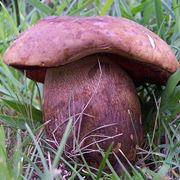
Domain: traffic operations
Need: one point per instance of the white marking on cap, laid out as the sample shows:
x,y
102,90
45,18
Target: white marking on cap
x,y
151,41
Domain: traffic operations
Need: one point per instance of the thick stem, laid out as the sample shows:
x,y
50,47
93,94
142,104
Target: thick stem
x,y
102,100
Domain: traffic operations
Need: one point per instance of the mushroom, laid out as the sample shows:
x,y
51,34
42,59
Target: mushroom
x,y
89,67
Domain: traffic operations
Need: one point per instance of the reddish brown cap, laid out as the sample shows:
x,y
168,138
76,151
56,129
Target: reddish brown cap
x,y
56,41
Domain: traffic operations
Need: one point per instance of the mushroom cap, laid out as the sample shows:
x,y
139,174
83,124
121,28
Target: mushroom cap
x,y
56,41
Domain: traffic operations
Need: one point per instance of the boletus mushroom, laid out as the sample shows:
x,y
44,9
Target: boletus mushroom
x,y
89,67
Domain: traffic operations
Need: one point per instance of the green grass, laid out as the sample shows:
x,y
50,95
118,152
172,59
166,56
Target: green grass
x,y
24,153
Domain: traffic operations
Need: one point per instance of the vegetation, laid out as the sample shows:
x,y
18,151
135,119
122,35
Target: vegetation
x,y
24,151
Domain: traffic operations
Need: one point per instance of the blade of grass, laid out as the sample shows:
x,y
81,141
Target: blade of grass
x,y
159,16
8,17
61,8
43,160
15,122
123,167
16,7
106,7
4,170
177,14
41,7
103,162
73,169
170,87
135,172
125,9
62,144
117,7
17,159
23,109
36,168
80,8
114,174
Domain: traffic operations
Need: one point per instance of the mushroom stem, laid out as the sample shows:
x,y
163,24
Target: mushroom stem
x,y
101,98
